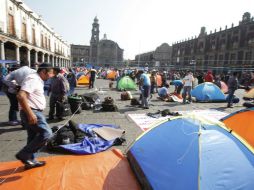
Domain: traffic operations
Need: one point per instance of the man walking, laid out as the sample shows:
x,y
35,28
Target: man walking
x,y
232,87
14,80
92,77
32,101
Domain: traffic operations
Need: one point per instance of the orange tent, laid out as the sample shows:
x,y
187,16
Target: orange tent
x,y
106,170
242,124
111,75
83,80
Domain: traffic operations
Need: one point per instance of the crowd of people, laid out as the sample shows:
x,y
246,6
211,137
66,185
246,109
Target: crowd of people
x,y
25,87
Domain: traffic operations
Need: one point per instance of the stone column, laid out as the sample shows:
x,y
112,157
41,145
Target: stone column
x,y
17,53
29,57
2,51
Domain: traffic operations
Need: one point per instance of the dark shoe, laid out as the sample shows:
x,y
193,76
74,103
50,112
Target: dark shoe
x,y
23,160
34,164
145,107
50,118
230,106
60,118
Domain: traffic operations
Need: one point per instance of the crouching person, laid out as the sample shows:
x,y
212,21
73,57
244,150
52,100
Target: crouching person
x,y
164,92
32,101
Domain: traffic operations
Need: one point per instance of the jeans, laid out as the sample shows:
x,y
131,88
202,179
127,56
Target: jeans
x,y
186,90
37,135
71,91
230,95
13,107
145,95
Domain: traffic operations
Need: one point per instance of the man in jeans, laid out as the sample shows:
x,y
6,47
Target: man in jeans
x,y
232,87
32,101
14,80
187,81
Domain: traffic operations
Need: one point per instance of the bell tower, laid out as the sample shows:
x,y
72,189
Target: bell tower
x,y
94,41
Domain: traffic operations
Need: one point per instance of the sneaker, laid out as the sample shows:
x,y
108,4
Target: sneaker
x,y
13,123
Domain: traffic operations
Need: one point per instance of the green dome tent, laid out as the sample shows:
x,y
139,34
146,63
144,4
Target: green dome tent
x,y
126,83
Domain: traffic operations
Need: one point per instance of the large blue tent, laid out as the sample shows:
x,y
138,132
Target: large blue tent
x,y
208,92
191,153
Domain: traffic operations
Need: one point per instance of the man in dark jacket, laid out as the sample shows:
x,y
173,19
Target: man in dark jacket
x,y
232,87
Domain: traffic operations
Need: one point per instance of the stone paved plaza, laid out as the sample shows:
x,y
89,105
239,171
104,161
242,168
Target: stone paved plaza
x,y
12,138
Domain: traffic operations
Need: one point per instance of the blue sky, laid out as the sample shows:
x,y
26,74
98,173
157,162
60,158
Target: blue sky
x,y
139,25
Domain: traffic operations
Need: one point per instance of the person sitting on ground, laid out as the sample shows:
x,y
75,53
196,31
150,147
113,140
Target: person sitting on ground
x,y
164,92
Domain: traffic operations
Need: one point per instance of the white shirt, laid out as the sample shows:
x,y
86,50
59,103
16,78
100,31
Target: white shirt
x,y
188,80
34,86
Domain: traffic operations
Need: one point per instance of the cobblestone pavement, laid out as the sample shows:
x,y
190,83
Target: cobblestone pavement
x,y
13,138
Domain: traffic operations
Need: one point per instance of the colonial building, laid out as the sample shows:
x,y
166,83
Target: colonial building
x,y
102,52
161,57
25,36
228,49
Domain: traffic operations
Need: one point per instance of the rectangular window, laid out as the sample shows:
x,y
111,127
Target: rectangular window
x,y
33,36
42,43
11,27
46,42
49,44
23,32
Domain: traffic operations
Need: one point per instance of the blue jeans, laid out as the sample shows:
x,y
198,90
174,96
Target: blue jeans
x,y
13,107
37,135
186,90
71,91
230,96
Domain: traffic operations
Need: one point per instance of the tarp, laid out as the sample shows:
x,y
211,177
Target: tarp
x,y
224,87
7,61
249,94
92,143
126,83
191,153
107,170
208,92
83,80
159,80
240,124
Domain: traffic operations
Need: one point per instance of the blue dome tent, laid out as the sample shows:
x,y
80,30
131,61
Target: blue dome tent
x,y
192,153
208,92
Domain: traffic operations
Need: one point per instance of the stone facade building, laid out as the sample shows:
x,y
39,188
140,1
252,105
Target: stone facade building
x,y
161,57
102,52
25,36
223,50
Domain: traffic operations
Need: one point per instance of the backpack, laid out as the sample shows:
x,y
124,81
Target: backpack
x,y
135,102
63,109
125,96
108,104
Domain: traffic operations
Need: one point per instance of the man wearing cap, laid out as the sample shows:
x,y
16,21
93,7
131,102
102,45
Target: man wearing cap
x,y
59,87
32,101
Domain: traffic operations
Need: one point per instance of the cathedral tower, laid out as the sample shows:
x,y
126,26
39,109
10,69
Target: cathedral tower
x,y
94,41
